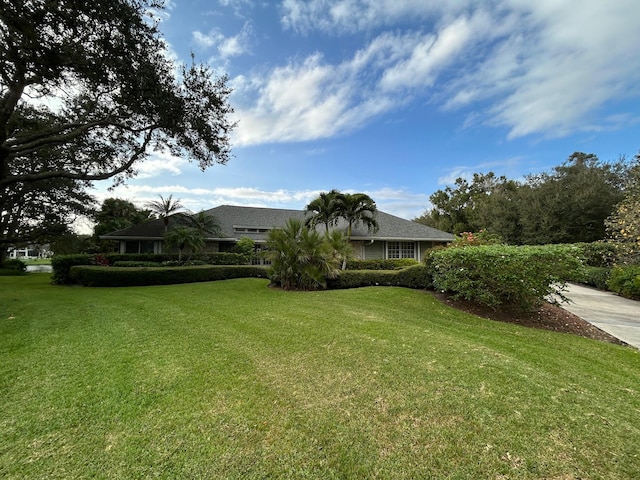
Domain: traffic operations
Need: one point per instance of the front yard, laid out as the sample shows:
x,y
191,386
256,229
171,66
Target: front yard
x,y
233,379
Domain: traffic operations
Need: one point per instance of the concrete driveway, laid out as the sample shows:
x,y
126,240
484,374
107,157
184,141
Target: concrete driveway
x,y
615,315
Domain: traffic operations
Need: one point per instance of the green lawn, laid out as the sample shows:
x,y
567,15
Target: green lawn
x,y
232,379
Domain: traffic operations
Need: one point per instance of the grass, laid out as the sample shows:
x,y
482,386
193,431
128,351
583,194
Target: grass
x,y
232,379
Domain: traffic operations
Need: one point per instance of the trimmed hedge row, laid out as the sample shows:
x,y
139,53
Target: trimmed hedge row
x,y
380,264
62,264
496,274
100,276
416,276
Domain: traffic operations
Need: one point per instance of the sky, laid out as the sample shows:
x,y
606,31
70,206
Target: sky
x,y
397,98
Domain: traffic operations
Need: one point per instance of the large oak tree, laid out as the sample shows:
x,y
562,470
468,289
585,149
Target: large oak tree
x,y
86,92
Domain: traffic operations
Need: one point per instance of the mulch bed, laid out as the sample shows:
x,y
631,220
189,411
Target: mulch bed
x,y
547,317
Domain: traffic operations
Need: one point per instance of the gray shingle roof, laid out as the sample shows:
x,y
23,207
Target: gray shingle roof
x,y
254,222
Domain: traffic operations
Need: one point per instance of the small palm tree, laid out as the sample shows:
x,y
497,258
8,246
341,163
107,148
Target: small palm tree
x,y
205,224
184,237
356,208
341,247
164,208
323,210
300,257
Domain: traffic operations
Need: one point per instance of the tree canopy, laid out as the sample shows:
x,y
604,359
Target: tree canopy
x,y
566,205
86,93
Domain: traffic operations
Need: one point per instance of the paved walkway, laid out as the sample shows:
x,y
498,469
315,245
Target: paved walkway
x,y
616,315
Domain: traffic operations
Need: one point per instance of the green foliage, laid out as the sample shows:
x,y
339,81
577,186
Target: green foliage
x,y
106,96
323,210
381,264
362,278
496,274
118,214
567,205
13,266
184,238
96,276
245,247
626,281
597,277
62,264
623,225
301,259
415,276
597,254
135,263
469,239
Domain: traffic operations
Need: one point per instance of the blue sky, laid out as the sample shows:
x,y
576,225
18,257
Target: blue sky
x,y
399,98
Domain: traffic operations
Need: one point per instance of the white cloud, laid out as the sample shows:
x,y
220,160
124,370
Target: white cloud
x,y
227,47
397,202
348,16
544,67
160,163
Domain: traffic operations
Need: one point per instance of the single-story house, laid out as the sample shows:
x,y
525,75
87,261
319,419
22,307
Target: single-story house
x,y
395,237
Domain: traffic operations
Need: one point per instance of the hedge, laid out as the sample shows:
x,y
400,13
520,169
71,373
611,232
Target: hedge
x,y
597,277
381,264
416,276
101,276
496,274
12,267
61,264
626,281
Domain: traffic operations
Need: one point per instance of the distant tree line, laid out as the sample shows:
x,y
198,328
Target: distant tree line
x,y
569,204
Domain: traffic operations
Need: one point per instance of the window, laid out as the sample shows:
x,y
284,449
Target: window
x,y
401,250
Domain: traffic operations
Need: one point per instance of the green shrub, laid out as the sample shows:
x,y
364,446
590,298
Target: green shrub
x,y
381,264
361,278
222,258
61,265
626,281
496,274
98,276
597,254
135,263
416,276
596,277
13,266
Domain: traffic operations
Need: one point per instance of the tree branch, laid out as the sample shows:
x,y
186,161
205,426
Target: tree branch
x,y
33,177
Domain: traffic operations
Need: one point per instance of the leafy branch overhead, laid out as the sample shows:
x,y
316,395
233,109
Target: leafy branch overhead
x,y
87,91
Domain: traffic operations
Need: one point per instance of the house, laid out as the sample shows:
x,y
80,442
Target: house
x,y
395,238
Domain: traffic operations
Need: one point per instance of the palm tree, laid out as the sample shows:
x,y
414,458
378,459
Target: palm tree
x,y
356,208
342,248
323,210
202,222
184,237
300,257
164,208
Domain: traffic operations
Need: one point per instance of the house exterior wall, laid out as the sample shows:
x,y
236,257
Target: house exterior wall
x,y
374,251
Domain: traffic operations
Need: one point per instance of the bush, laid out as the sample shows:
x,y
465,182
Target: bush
x,y
416,276
596,277
626,281
13,266
62,264
135,263
97,276
495,274
361,278
597,254
381,264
